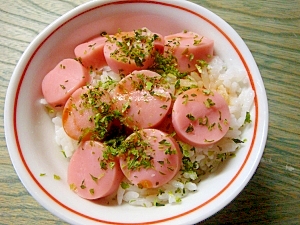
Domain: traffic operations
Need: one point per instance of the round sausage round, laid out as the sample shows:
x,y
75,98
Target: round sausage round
x,y
188,47
141,99
91,54
65,78
200,117
128,51
152,158
89,176
83,114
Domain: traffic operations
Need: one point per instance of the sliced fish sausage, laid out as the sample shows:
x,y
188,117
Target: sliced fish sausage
x,y
83,112
128,51
188,47
89,176
200,117
91,54
63,80
152,158
141,100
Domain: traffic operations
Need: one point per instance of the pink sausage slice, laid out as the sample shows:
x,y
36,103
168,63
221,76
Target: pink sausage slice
x,y
63,80
152,159
188,47
89,176
200,117
128,51
141,100
90,54
84,107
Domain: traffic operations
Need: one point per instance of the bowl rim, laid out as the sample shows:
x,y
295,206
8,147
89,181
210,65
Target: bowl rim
x,y
12,138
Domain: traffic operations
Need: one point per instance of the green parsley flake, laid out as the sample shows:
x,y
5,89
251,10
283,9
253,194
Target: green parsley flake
x,y
209,103
64,153
159,204
125,106
201,64
172,134
49,109
112,165
191,57
82,186
247,119
203,121
170,151
190,117
189,129
207,92
92,46
56,177
94,178
149,85
211,126
237,141
220,127
161,162
177,84
124,185
164,142
92,191
103,165
197,42
73,187
186,99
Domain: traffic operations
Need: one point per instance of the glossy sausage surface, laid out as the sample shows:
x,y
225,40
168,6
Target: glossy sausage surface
x,y
153,158
83,112
141,99
188,47
88,177
91,53
200,117
65,78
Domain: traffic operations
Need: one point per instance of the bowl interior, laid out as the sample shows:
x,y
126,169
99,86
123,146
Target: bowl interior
x,y
30,132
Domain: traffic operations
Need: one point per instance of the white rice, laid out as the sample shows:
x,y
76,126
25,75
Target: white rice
x,y
228,80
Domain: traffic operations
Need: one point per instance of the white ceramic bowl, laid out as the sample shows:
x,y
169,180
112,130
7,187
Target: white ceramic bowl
x,y
29,131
